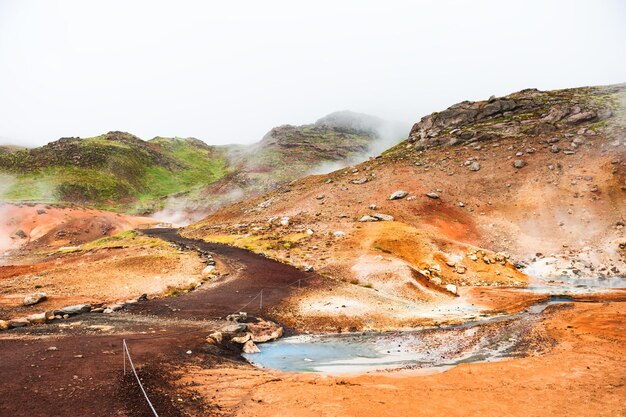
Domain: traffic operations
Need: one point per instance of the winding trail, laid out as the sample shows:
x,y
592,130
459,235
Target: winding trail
x,y
73,371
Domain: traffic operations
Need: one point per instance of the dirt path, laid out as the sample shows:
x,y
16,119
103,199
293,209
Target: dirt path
x,y
69,369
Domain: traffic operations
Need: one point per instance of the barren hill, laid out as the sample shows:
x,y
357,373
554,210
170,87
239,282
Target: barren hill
x,y
532,179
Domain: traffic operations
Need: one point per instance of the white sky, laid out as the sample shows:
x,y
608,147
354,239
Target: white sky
x,y
229,71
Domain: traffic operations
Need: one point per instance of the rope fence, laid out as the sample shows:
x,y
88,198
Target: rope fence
x,y
126,351
132,367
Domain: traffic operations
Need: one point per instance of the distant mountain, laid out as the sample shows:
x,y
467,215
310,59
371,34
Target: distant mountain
x,y
119,171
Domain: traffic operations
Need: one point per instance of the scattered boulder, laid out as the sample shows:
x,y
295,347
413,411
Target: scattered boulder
x,y
367,218
100,327
112,307
75,309
264,331
241,339
215,338
474,166
460,269
358,181
451,288
396,195
35,298
22,322
383,217
238,317
250,347
432,195
39,318
519,163
234,328
208,270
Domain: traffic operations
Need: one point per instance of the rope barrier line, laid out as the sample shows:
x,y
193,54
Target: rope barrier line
x,y
259,294
130,361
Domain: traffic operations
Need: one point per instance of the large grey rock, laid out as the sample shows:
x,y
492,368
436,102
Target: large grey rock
x,y
35,298
75,309
396,195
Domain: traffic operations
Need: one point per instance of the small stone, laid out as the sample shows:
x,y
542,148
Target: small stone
x,y
367,218
432,195
474,166
396,195
554,149
208,270
13,323
383,217
39,318
451,288
519,163
35,298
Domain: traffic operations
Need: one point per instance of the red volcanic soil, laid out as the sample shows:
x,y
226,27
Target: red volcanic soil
x,y
44,225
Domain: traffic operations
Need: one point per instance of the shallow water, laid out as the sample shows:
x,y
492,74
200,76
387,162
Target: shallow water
x,y
487,340
574,285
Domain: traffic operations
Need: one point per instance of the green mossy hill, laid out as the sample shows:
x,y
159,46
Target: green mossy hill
x,y
113,171
119,171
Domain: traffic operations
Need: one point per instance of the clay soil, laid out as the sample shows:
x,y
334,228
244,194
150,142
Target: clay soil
x,y
583,374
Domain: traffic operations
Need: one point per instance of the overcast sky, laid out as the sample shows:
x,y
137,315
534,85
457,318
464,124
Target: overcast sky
x,y
229,71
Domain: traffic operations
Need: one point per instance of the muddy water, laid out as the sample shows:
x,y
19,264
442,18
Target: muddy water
x,y
488,340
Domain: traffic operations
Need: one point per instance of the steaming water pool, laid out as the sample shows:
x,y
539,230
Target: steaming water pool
x,y
488,340
574,285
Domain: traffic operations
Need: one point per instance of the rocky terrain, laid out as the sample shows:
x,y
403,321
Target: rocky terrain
x,y
454,235
480,194
182,178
